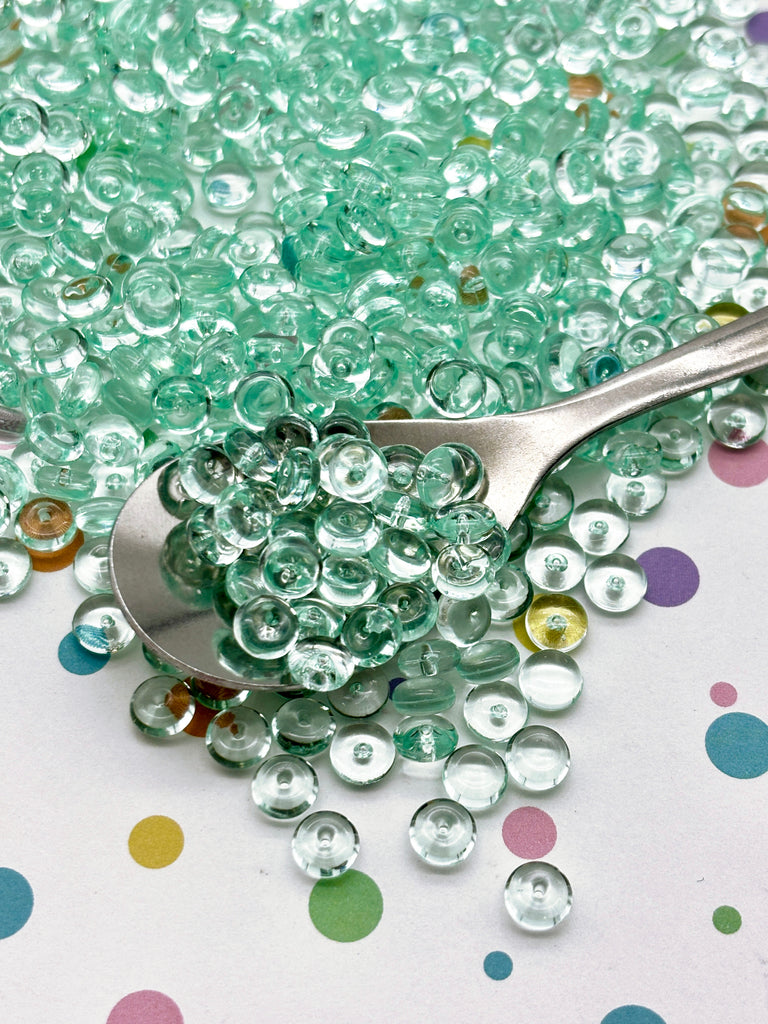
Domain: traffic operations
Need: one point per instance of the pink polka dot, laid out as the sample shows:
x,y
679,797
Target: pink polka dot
x,y
723,694
744,467
529,832
145,1007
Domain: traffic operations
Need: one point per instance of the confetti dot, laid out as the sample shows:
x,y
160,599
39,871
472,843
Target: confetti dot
x,y
723,694
727,920
529,833
346,908
757,27
521,634
742,467
156,842
632,1014
737,744
16,902
498,965
145,1007
74,657
673,577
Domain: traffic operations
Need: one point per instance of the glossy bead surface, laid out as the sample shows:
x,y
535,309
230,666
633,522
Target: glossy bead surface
x,y
475,776
537,758
550,680
442,833
238,738
162,706
537,896
325,844
284,786
303,726
15,567
495,711
425,738
362,753
615,583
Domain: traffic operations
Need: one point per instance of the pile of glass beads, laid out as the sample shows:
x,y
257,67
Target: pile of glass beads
x,y
228,214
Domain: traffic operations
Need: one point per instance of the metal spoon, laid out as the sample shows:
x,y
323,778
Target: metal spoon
x,y
517,451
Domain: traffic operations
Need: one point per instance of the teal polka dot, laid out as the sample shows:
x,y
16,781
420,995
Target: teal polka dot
x,y
632,1014
74,657
498,965
737,744
16,901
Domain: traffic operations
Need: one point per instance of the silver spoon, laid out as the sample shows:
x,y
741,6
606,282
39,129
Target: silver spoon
x,y
517,451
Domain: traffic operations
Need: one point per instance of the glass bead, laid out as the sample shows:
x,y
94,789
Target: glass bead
x,y
316,664
45,525
213,696
113,440
403,461
97,517
425,738
15,567
181,404
91,566
550,680
266,627
423,695
455,388
325,844
162,706
347,581
151,298
475,776
615,583
260,397
242,515
427,658
341,361
318,618
415,607
537,758
100,626
462,571
284,786
400,510
53,439
509,593
556,622
364,693
736,420
463,622
13,484
204,473
495,710
290,568
298,478
440,478
357,471
238,738
228,186
488,661
465,522
372,634
555,562
401,555
303,726
346,527
205,540
599,526
551,505
681,444
537,896
442,832
637,496
246,450
632,453
362,753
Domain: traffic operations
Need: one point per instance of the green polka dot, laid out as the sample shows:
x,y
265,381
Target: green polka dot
x,y
727,920
346,908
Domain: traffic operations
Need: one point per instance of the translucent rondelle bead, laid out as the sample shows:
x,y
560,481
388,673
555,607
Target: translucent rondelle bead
x,y
463,622
303,726
238,738
425,738
15,567
266,627
555,562
440,478
290,568
260,397
364,693
401,555
162,706
556,622
210,695
495,711
181,404
205,541
462,571
362,753
325,844
465,522
284,786
415,607
736,420
204,473
442,832
537,758
637,496
91,566
341,361
372,634
550,680
615,583
151,298
100,626
599,526
423,696
357,471
509,593
475,776
537,896
242,514
298,478
45,525
321,665
632,453
347,581
345,527
681,444
551,504
488,661
318,618
428,658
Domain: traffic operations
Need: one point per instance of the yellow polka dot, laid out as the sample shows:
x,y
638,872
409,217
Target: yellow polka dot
x,y
156,842
521,633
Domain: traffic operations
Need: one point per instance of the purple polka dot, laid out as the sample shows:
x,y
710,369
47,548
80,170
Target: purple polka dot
x,y
145,1007
723,694
739,467
673,577
757,28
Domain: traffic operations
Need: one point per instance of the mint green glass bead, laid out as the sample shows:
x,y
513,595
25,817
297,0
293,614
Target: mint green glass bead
x,y
681,444
303,726
425,738
356,471
423,696
242,579
318,618
100,626
488,661
341,361
238,738
39,208
130,230
632,453
81,391
403,461
347,581
228,186
648,300
415,607
85,298
266,627
347,527
475,776
162,706
428,658
113,440
372,634
248,452
219,364
284,786
72,482
15,566
297,479
401,556
463,230
95,517
290,567
259,397
152,298
13,484
462,571
362,753
317,664
440,478
205,540
243,514
463,622
181,404
23,127
204,473
551,505
465,522
52,438
400,510
58,352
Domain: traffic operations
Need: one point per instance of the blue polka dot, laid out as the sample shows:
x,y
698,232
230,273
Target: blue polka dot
x,y
16,901
497,965
74,657
737,744
632,1015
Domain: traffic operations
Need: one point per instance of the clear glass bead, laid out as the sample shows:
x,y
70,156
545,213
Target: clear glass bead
x,y
462,571
357,471
100,626
463,622
325,844
681,444
615,583
362,753
537,896
599,526
488,661
242,515
442,832
238,738
320,665
284,786
475,776
345,527
509,593
637,496
423,695
162,706
290,568
550,680
15,567
266,627
415,607
551,505
91,566
495,711
364,693
347,581
205,473
303,726
425,738
428,658
537,758
736,420
401,555
372,634
555,562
